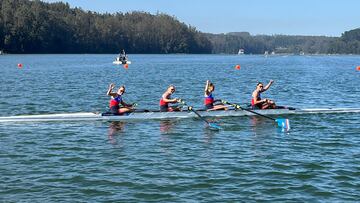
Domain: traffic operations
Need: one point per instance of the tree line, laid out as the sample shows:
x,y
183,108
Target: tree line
x,y
348,43
259,44
38,27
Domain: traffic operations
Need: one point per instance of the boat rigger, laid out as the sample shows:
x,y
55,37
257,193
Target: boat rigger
x,y
140,115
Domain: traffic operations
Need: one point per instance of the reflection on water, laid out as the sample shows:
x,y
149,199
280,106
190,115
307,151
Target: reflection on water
x,y
115,128
257,124
209,135
167,126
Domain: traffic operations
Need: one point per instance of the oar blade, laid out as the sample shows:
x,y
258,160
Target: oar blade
x,y
213,126
283,123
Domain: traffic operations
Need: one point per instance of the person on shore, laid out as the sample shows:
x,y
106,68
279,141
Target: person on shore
x,y
117,105
257,102
209,99
166,99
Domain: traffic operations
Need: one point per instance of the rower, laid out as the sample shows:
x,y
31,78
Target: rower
x,y
116,101
122,56
209,99
257,102
166,99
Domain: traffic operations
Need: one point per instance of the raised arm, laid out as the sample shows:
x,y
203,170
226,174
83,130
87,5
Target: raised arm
x,y
109,92
206,88
268,85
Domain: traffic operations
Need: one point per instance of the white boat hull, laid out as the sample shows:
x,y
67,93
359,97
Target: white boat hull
x,y
167,115
121,62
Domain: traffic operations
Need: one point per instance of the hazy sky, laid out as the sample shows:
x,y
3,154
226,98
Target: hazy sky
x,y
293,17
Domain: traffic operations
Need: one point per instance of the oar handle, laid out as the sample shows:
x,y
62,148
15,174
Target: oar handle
x,y
134,104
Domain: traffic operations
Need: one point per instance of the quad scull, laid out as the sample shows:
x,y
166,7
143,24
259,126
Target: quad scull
x,y
139,115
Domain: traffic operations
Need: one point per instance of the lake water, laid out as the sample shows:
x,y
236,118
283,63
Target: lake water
x,y
179,160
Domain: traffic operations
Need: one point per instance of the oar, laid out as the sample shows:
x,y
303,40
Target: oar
x,y
211,125
281,122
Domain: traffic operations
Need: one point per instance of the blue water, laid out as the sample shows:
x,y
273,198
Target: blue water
x,y
179,160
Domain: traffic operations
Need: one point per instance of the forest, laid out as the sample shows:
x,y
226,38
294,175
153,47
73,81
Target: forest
x,y
259,44
38,27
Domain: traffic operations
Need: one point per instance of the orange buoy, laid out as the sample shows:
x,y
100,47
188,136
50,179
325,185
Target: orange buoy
x,y
358,68
19,65
126,66
237,67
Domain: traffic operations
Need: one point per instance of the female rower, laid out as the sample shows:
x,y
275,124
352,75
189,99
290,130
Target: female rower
x,y
209,99
257,102
116,100
166,99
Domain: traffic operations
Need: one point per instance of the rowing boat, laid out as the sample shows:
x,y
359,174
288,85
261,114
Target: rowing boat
x,y
138,115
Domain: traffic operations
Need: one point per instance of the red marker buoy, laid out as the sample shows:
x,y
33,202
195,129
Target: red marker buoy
x,y
19,65
237,67
358,68
126,66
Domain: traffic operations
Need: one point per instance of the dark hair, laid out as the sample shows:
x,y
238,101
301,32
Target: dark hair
x,y
211,85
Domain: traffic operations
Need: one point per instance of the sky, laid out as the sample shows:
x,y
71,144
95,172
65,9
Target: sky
x,y
290,17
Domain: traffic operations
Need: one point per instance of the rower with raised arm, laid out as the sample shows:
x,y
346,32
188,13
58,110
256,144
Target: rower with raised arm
x,y
257,102
209,99
117,100
166,99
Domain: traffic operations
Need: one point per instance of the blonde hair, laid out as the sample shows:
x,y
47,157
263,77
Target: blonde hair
x,y
171,86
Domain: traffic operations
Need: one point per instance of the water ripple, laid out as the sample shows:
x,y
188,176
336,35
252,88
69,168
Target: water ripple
x,y
250,160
